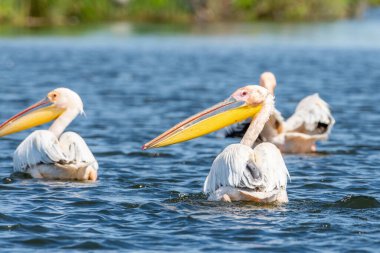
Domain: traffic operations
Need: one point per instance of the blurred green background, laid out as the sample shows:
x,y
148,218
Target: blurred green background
x,y
41,13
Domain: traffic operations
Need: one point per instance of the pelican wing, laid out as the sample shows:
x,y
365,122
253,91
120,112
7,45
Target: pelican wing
x,y
76,150
40,147
261,169
312,116
43,147
268,160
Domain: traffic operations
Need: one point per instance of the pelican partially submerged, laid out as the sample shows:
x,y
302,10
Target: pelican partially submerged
x,y
312,121
239,172
51,153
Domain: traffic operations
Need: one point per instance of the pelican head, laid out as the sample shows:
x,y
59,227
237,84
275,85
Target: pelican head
x,y
244,103
66,99
54,105
252,95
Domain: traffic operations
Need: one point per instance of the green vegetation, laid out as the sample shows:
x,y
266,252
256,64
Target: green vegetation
x,y
66,12
281,10
53,12
159,10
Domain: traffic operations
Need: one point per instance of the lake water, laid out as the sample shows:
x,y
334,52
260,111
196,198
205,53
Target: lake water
x,y
136,83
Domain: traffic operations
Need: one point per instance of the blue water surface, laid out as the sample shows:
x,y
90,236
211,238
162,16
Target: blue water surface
x,y
134,86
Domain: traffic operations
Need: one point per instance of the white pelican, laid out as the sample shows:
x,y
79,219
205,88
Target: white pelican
x,y
239,172
311,122
51,153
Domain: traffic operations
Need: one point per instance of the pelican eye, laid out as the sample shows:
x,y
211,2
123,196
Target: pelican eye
x,y
53,96
244,93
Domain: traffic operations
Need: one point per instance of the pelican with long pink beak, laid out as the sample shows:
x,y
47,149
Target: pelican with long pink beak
x,y
239,173
51,153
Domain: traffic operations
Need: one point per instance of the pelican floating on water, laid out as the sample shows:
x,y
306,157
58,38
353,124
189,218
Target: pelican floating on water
x,y
239,172
51,153
311,122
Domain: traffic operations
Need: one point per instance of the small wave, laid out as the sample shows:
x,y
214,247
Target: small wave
x,y
87,245
14,176
109,153
180,197
20,175
357,202
148,154
7,187
318,186
129,205
337,152
9,227
38,242
7,180
137,186
89,203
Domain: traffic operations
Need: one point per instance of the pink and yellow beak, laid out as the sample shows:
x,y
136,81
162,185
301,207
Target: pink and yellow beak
x,y
210,120
38,114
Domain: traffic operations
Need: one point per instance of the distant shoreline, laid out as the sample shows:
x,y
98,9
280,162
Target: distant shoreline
x,y
59,13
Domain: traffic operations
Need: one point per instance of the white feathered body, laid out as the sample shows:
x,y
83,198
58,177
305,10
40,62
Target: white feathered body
x,y
243,173
312,121
43,155
312,116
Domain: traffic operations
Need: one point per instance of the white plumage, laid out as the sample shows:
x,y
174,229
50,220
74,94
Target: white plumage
x,y
244,173
312,116
76,150
43,155
311,122
40,147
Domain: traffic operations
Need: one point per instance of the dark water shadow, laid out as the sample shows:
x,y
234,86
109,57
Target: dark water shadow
x,y
355,202
349,202
15,176
200,200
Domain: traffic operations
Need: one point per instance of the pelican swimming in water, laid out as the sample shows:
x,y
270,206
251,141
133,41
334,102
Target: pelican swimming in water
x,y
311,122
239,172
51,153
